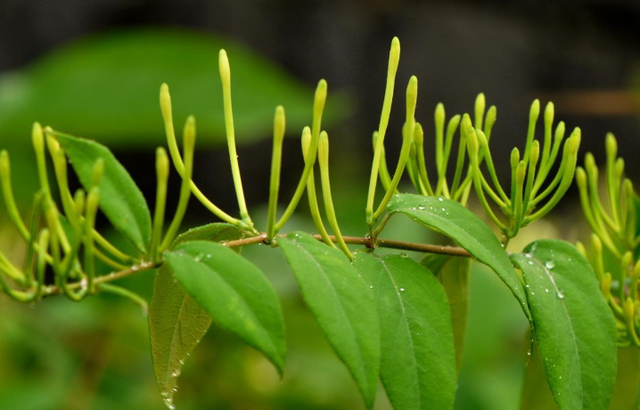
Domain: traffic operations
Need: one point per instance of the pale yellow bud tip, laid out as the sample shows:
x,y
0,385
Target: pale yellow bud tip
x,y
98,172
305,141
223,65
37,136
165,101
162,164
535,109
611,145
279,124
189,136
549,112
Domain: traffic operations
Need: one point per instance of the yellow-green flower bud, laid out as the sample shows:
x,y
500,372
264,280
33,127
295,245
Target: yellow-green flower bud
x,y
98,172
162,164
629,308
479,108
412,98
611,145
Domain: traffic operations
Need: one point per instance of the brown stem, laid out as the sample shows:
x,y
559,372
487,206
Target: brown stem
x,y
368,242
262,238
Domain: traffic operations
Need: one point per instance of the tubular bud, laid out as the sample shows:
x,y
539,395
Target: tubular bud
x,y
162,164
611,145
279,124
306,141
98,172
597,243
37,138
394,54
581,248
79,199
323,149
549,112
629,308
479,108
223,66
412,98
581,178
515,158
189,136
490,120
5,165
418,135
318,105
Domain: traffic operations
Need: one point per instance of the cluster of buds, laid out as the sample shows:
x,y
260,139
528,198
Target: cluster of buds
x,y
614,238
533,193
62,241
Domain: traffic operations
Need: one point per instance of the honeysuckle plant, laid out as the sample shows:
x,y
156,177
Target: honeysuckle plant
x,y
387,317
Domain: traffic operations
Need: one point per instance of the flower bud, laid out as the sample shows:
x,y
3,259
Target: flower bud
x,y
412,98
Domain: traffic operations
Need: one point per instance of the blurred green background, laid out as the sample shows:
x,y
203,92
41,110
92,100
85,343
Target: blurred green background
x,y
94,69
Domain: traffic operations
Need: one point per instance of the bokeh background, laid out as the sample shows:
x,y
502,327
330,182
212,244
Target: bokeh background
x,y
93,68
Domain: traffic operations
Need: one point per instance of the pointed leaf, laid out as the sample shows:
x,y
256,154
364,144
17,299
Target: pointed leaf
x,y
176,321
418,365
234,292
453,273
573,326
341,302
464,227
120,199
176,325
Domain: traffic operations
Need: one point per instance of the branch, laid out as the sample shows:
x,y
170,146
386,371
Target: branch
x,y
368,242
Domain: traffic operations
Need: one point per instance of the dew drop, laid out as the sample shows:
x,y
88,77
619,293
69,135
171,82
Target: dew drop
x,y
440,199
560,294
550,264
546,290
371,287
527,255
401,289
421,208
443,209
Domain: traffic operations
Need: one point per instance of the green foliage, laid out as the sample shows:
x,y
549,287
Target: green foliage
x,y
386,317
176,321
564,297
413,311
342,303
454,273
121,201
234,292
464,227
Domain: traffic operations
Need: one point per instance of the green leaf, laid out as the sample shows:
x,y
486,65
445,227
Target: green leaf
x,y
464,227
106,86
234,292
574,328
176,325
215,232
535,390
120,199
453,273
176,321
341,302
418,364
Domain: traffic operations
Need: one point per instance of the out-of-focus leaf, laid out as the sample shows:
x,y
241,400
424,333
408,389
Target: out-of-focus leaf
x,y
574,328
106,87
464,227
176,321
417,363
341,302
234,292
120,199
453,273
625,392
